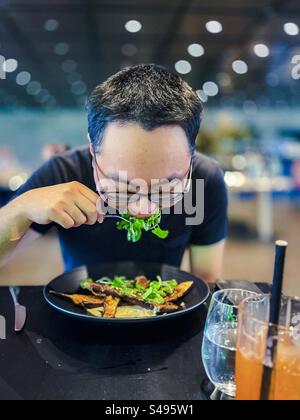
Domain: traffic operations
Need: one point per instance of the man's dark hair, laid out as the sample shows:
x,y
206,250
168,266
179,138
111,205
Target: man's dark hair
x,y
148,95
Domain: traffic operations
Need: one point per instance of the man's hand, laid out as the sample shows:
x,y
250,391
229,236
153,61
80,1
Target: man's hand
x,y
69,205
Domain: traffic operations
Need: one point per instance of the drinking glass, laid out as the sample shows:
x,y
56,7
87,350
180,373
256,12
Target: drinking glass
x,y
252,355
219,344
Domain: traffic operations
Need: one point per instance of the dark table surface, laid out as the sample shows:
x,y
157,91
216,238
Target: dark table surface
x,y
60,358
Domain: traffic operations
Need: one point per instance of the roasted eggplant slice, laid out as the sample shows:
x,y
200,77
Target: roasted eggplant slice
x,y
103,289
142,281
167,308
82,300
110,306
181,290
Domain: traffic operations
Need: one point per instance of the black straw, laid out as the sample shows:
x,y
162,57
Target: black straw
x,y
275,306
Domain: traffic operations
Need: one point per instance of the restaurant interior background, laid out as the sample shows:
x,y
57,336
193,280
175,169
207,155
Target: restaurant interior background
x,y
240,55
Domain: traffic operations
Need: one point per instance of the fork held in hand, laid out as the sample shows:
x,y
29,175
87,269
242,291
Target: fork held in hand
x,y
116,216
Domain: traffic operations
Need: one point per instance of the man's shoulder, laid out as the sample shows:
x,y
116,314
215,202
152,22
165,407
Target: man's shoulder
x,y
75,164
75,156
206,167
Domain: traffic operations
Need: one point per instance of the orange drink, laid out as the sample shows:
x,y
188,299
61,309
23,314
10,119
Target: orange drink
x,y
285,379
251,352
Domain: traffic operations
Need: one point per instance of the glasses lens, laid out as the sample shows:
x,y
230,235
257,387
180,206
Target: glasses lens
x,y
121,197
166,198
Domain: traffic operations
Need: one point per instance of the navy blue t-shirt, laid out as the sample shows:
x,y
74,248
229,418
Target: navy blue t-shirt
x,y
87,245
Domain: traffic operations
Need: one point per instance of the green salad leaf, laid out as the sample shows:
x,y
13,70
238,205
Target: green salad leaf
x,y
154,293
135,227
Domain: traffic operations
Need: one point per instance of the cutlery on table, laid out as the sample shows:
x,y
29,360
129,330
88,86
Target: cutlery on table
x,y
20,311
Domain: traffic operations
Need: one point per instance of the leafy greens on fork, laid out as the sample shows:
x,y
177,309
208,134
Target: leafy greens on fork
x,y
135,227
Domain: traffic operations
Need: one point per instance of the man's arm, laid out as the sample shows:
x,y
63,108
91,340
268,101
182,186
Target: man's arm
x,y
207,261
68,205
26,240
14,226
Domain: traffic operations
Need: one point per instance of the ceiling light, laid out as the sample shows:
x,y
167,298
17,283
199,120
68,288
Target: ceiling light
x,y
129,50
210,89
133,26
61,48
10,65
261,50
78,88
33,88
51,25
43,96
183,67
240,67
214,27
23,78
291,29
196,50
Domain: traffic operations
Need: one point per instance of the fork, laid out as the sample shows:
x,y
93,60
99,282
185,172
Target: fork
x,y
20,311
116,216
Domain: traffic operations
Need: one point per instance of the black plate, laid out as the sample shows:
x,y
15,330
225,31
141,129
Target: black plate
x,y
70,283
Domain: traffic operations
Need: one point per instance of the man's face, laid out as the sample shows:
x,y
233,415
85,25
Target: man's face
x,y
147,161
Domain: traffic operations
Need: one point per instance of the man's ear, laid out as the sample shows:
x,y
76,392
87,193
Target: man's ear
x,y
92,150
91,144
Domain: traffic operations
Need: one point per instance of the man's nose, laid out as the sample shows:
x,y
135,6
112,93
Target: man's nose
x,y
142,208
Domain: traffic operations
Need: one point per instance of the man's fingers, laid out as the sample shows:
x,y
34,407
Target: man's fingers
x,y
77,215
88,208
88,193
63,219
100,210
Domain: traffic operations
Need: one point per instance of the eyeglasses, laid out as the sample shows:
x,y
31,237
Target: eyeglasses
x,y
160,198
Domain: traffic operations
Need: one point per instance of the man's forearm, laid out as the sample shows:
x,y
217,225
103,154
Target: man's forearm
x,y
207,261
14,224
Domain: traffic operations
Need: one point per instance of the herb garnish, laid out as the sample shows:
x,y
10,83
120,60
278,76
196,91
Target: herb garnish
x,y
156,292
135,227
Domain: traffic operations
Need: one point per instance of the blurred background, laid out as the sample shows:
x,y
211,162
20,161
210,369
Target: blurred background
x,y
241,56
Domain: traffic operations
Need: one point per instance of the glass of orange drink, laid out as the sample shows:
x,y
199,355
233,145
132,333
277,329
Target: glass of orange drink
x,y
252,356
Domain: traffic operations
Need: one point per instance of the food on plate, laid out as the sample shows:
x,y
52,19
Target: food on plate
x,y
134,311
135,227
110,306
96,312
120,297
82,300
142,281
180,291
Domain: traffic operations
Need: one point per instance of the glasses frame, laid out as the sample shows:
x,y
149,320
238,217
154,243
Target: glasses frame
x,y
103,194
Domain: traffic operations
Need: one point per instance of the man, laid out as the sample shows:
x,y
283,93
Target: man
x,y
142,122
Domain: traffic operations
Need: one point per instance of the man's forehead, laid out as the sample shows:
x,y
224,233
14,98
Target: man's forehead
x,y
132,140
161,154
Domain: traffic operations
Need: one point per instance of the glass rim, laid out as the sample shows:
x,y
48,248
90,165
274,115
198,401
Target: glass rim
x,y
220,292
279,327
